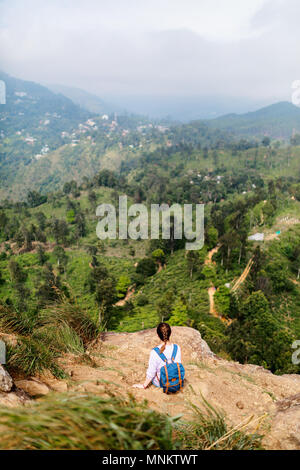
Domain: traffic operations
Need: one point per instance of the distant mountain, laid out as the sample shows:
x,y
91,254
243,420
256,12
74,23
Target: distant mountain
x,y
278,121
184,108
33,122
85,100
36,109
46,139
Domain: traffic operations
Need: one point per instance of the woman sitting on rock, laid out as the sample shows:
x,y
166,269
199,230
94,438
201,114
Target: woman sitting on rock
x,y
165,369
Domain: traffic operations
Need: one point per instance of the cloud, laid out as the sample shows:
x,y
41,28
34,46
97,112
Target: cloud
x,y
199,47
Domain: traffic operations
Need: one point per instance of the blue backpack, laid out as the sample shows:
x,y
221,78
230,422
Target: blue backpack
x,y
172,374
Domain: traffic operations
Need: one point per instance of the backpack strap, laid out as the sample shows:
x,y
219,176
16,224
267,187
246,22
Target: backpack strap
x,y
174,352
161,355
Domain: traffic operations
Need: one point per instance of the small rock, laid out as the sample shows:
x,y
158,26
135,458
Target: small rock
x,y
240,405
6,381
33,388
58,386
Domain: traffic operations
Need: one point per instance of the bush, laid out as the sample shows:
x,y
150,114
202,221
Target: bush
x,y
122,286
142,300
222,299
146,267
179,315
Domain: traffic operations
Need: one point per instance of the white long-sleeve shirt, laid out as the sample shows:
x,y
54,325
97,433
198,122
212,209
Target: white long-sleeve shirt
x,y
155,362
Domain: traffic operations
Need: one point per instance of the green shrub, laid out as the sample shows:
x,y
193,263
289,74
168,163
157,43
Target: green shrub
x,y
142,300
122,286
222,300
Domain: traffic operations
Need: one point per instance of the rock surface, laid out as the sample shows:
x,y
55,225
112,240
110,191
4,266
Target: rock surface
x,y
116,361
32,387
6,382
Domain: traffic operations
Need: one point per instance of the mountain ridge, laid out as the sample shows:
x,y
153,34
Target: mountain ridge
x,y
278,120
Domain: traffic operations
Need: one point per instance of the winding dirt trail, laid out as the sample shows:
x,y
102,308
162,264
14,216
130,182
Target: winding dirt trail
x,y
212,290
129,294
160,267
210,255
243,276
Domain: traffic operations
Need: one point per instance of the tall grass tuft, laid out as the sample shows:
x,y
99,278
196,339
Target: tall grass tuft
x,y
210,431
14,321
59,328
59,339
70,314
31,357
85,422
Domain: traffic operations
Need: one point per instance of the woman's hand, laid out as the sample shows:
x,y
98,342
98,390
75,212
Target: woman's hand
x,y
138,386
144,385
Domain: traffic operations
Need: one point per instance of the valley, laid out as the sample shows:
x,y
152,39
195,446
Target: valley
x,y
70,303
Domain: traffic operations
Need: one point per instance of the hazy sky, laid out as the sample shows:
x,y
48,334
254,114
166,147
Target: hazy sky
x,y
248,48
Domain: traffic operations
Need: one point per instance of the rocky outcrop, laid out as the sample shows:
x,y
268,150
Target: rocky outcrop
x,y
116,361
285,427
6,382
33,388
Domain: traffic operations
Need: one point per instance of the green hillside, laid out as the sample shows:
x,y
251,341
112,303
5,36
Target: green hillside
x,y
243,296
52,258
278,121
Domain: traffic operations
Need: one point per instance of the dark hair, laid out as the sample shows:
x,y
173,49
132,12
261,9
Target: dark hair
x,y
164,332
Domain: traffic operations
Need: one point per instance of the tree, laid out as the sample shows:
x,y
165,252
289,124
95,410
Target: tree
x,y
146,267
222,300
164,305
60,231
18,278
50,287
2,280
266,141
42,257
256,337
80,225
92,197
105,296
158,256
61,257
17,274
211,238
192,261
41,220
35,199
179,315
98,274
